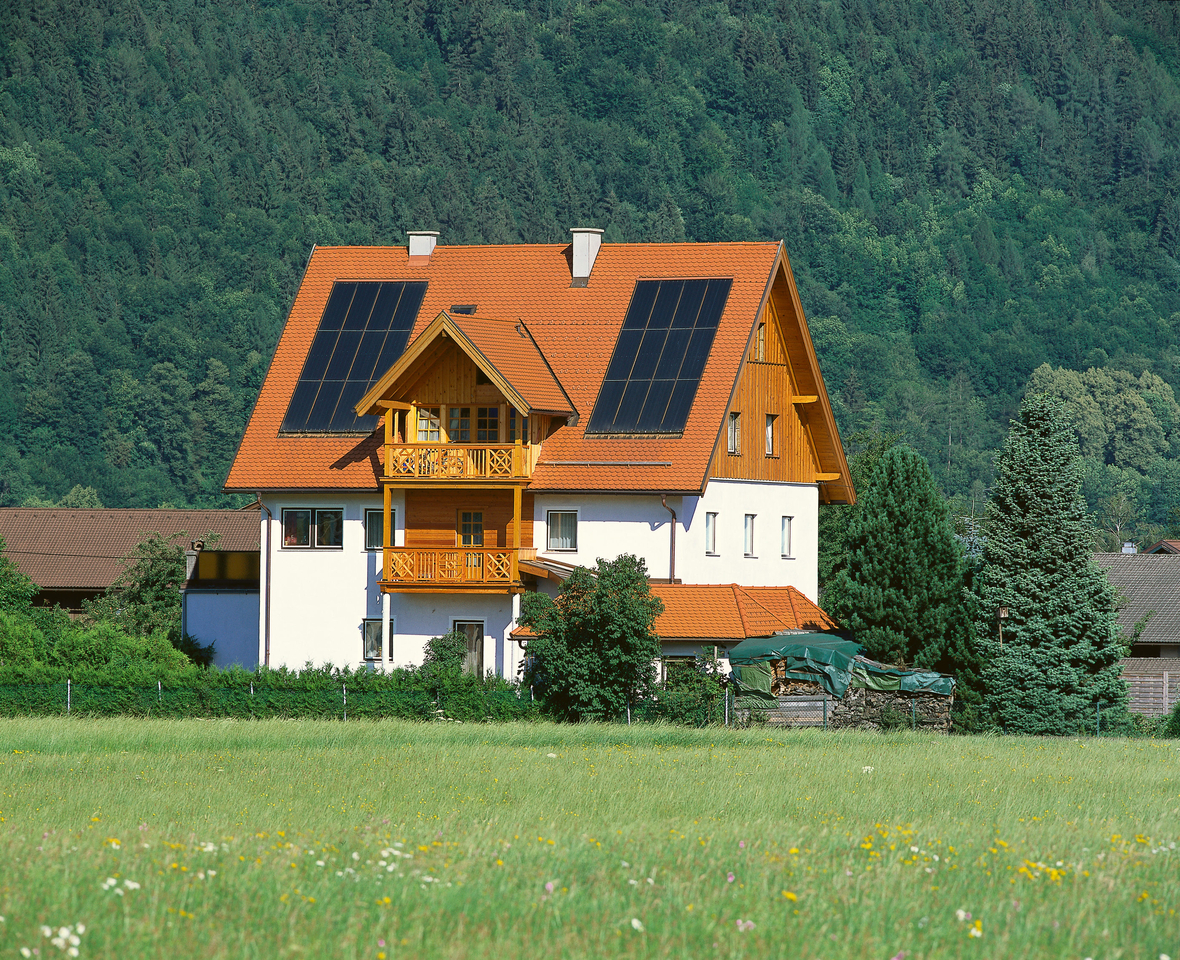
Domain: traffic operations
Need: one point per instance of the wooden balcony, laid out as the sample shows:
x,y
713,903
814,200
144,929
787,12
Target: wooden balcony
x,y
446,462
452,570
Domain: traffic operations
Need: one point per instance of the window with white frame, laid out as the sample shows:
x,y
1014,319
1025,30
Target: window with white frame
x,y
563,530
371,639
473,630
786,536
711,534
305,527
750,534
375,528
771,419
733,439
429,424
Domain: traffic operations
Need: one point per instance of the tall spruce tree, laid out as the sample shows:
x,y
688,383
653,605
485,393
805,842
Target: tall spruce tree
x,y
901,590
1058,658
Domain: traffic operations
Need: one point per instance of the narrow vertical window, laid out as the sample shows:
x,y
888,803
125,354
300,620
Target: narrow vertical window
x,y
734,437
760,344
471,528
429,420
375,528
711,533
786,536
487,425
750,534
459,426
517,422
770,424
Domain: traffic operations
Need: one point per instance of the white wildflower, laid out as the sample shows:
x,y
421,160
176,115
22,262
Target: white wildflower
x,y
637,924
866,769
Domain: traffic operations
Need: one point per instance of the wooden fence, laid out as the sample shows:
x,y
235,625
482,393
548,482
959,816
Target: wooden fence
x,y
1153,683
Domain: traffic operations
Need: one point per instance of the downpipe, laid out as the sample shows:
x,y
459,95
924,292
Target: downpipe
x,y
266,593
672,544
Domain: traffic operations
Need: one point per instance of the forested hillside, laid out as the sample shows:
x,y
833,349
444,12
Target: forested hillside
x,y
967,190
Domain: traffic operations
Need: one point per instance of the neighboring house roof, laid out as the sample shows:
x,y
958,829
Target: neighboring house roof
x,y
727,612
1164,546
59,548
1147,582
575,329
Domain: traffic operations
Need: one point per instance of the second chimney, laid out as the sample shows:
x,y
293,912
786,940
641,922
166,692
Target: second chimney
x,y
587,241
422,242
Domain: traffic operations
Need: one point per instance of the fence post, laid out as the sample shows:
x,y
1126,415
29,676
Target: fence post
x,y
825,711
628,713
1098,718
725,690
68,692
159,692
344,687
913,714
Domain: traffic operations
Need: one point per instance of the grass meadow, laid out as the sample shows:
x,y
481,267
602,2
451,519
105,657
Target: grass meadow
x,y
378,840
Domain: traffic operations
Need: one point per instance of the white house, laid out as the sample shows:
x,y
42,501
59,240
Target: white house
x,y
443,428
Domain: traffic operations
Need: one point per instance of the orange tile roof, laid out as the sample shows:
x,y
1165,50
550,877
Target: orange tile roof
x,y
81,549
574,327
725,612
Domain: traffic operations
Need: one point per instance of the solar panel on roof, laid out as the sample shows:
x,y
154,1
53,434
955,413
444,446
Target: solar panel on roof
x,y
659,357
363,330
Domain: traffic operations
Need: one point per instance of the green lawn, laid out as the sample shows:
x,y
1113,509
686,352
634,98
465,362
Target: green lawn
x,y
320,839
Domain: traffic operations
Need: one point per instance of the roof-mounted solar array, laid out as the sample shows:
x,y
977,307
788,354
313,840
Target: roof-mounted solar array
x,y
659,357
363,330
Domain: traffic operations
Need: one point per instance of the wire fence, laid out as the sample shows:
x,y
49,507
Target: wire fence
x,y
255,701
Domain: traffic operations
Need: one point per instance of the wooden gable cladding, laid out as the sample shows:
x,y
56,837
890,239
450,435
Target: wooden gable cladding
x,y
432,517
449,377
768,387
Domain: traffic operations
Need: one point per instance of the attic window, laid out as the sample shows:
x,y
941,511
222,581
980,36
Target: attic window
x,y
659,357
465,308
363,330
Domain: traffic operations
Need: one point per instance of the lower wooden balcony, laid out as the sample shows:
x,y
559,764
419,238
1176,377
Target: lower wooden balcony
x,y
453,570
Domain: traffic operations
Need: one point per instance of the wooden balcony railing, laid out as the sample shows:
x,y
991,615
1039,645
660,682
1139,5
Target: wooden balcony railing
x,y
456,566
455,461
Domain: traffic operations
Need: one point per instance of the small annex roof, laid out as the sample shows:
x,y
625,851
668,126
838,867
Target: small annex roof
x,y
727,612
1149,584
59,548
503,349
574,329
1164,546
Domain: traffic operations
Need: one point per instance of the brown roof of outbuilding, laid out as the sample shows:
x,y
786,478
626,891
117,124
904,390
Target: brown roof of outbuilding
x,y
1147,582
60,548
575,329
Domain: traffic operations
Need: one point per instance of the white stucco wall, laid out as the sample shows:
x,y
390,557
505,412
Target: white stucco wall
x,y
614,524
229,620
319,598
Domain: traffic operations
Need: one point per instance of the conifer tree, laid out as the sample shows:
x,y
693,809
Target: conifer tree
x,y
902,588
1058,658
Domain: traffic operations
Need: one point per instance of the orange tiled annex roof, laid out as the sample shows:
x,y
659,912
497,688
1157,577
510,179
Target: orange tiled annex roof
x,y
574,328
728,612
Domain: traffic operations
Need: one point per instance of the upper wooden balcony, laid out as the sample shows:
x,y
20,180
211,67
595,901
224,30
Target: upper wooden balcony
x,y
425,463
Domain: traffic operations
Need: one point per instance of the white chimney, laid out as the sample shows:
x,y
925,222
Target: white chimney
x,y
1129,547
422,242
587,241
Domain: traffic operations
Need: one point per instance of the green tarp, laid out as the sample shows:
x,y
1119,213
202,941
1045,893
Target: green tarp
x,y
824,658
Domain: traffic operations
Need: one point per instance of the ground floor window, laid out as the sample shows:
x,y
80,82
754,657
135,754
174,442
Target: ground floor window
x,y
371,640
473,630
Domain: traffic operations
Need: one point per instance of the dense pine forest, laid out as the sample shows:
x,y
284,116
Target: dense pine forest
x,y
974,194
